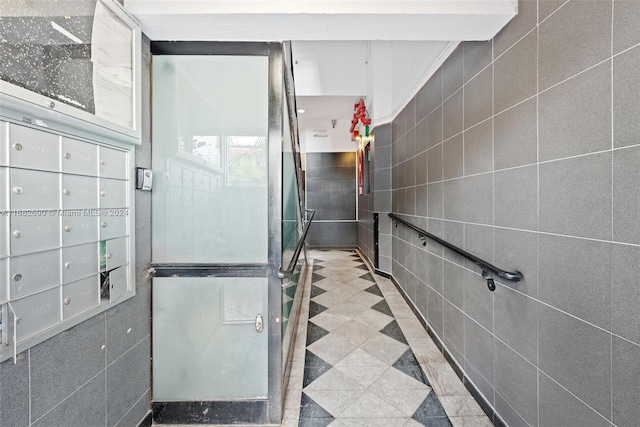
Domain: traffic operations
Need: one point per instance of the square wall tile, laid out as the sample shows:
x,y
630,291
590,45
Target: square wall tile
x,y
584,29
516,136
516,380
127,380
521,24
85,407
575,116
452,72
626,32
478,348
478,240
575,196
452,115
575,276
453,196
422,136
57,372
452,158
478,199
422,165
434,127
517,320
547,7
477,56
515,72
626,393
626,102
434,162
626,195
478,148
434,314
453,283
478,299
410,114
478,98
422,200
625,292
576,355
453,327
518,251
516,198
14,392
430,96
558,407
434,200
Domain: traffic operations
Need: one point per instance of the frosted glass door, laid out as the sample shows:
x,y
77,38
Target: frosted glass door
x,y
210,210
210,126
205,342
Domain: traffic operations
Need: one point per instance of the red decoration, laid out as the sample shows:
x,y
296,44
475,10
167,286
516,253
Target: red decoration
x,y
359,115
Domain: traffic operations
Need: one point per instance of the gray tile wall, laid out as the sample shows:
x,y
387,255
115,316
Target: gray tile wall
x,y
331,191
379,199
97,373
525,150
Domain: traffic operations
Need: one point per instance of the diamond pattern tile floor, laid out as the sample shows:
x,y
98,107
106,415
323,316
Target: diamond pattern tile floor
x,y
359,366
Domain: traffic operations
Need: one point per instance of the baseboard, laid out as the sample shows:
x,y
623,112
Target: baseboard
x,y
488,409
147,421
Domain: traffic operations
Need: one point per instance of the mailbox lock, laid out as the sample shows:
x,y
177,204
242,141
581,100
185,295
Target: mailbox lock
x,y
67,228
66,192
17,146
108,256
67,156
67,264
17,277
103,193
18,320
103,224
17,234
102,162
18,190
51,104
67,301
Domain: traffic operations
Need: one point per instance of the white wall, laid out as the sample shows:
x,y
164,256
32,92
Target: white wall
x,y
337,140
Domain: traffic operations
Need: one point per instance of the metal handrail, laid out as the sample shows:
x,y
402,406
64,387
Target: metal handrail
x,y
294,260
515,276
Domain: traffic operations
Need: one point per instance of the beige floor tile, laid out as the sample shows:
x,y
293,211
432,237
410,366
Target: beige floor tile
x,y
329,321
412,328
363,375
461,406
426,351
384,348
394,379
444,380
334,401
331,348
368,405
333,379
354,332
470,421
406,401
373,319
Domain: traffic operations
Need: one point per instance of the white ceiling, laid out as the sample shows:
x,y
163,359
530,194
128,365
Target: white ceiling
x,y
342,49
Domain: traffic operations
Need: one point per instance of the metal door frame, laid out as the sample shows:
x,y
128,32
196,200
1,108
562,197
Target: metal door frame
x,y
257,410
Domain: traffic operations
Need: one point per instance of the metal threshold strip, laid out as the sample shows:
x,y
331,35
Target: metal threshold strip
x,y
486,267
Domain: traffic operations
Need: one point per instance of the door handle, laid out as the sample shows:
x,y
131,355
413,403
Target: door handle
x,y
259,323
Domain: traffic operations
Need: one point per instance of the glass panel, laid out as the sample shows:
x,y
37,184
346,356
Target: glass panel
x,y
205,343
75,52
291,233
210,153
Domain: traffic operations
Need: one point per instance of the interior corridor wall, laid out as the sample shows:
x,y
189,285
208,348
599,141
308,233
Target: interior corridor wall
x,y
97,373
525,150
